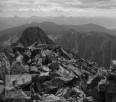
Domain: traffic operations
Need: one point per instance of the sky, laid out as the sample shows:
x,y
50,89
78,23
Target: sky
x,y
44,8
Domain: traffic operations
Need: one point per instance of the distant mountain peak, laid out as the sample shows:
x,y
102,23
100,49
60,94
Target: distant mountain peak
x,y
93,25
71,31
34,23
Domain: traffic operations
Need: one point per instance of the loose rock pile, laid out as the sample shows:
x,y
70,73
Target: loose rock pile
x,y
56,76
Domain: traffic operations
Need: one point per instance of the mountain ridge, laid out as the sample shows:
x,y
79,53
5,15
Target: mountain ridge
x,y
98,47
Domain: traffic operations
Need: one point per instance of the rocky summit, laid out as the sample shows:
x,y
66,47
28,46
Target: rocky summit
x,y
51,74
32,35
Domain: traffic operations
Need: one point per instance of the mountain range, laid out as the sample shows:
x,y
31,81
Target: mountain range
x,y
90,41
51,29
10,22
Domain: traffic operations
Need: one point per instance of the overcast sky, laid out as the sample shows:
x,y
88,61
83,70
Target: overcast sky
x,y
83,8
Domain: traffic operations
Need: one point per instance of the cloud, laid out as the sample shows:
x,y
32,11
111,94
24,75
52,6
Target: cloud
x,y
64,7
66,4
85,3
107,4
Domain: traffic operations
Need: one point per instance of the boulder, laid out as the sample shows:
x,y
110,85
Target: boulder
x,y
54,66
